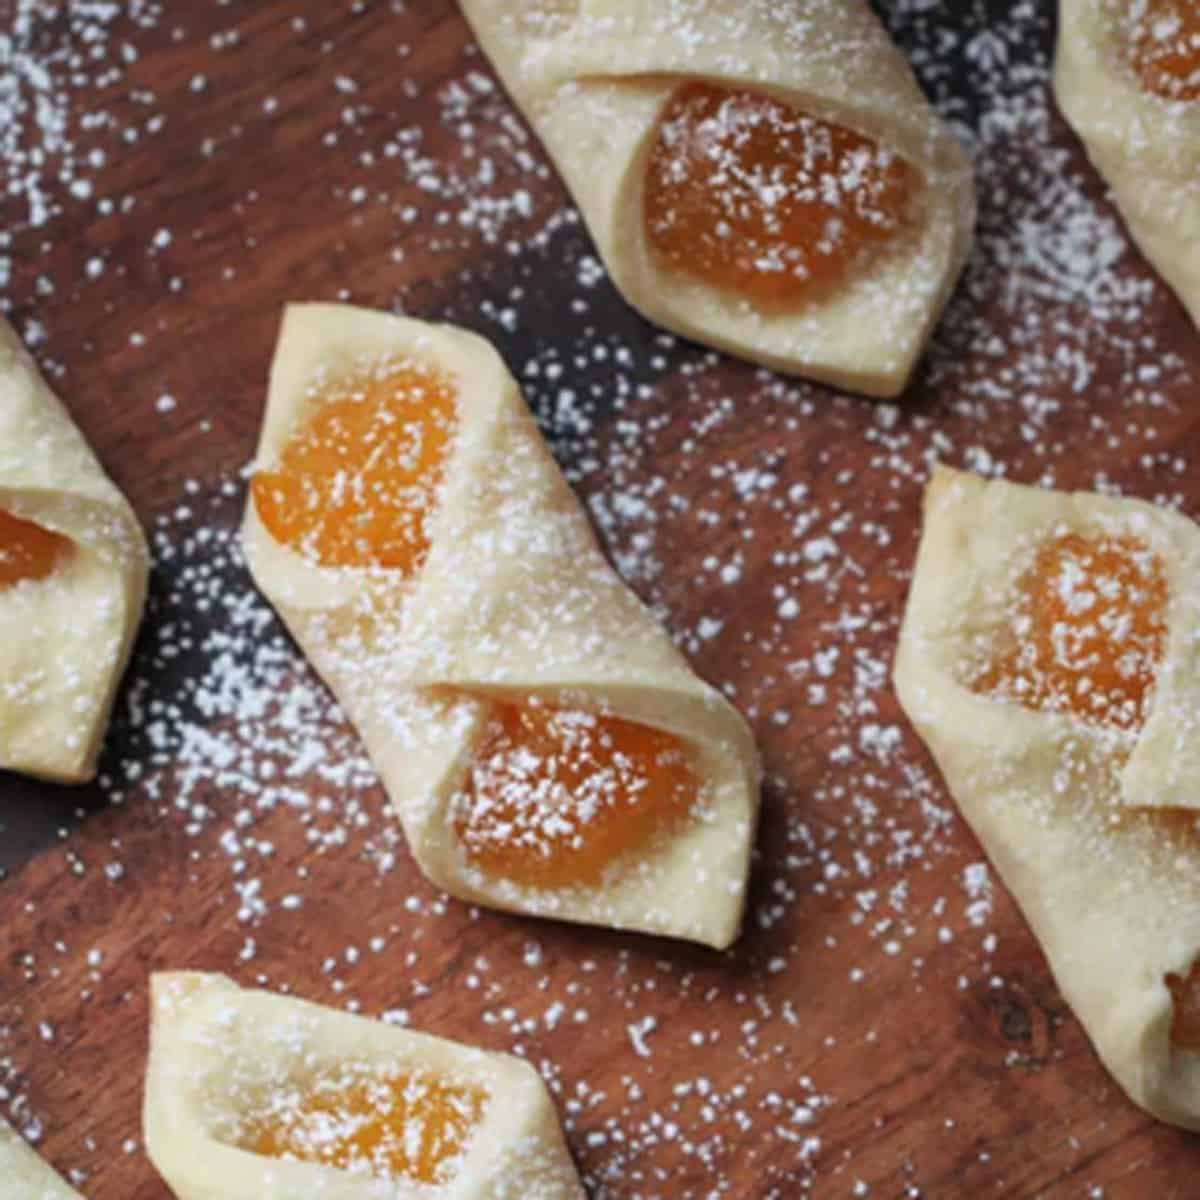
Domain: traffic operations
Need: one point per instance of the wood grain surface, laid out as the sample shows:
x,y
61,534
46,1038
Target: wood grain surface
x,y
886,1026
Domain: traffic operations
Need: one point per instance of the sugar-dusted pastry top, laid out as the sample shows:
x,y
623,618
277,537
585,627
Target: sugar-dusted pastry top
x,y
73,568
555,796
251,1094
765,178
1086,634
1049,659
1127,77
545,745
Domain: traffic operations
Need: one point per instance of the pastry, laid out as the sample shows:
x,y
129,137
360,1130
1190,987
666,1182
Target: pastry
x,y
73,566
1127,77
23,1175
546,747
762,177
1049,658
254,1096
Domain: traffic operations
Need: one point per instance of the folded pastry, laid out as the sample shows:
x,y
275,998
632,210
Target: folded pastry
x,y
73,567
23,1175
1127,77
763,177
546,747
253,1096
1049,657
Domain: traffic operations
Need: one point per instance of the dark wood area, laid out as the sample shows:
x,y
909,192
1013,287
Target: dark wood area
x,y
886,1026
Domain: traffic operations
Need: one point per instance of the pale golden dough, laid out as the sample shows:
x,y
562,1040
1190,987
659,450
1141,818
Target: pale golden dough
x,y
1115,905
592,77
515,599
23,1175
64,640
1146,147
215,1046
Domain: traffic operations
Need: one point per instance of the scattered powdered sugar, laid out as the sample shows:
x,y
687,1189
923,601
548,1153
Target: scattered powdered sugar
x,y
49,54
215,710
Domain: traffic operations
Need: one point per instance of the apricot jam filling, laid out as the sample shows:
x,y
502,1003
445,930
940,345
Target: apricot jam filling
x,y
1089,631
557,796
356,484
408,1125
748,195
1185,1021
1166,48
28,552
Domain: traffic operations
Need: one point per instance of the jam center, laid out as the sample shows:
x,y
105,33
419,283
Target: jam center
x,y
1185,1023
557,796
401,1126
1088,631
28,552
1166,48
750,196
355,485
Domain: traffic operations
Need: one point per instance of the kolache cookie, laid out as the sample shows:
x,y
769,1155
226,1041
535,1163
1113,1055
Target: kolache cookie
x,y
73,568
1049,658
546,747
23,1175
1127,77
255,1096
763,177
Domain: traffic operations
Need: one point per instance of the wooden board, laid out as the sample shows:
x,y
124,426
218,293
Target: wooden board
x,y
886,1026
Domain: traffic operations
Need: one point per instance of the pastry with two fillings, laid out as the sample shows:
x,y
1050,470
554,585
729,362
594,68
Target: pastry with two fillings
x,y
1049,658
546,747
763,176
255,1096
1127,78
25,1176
73,568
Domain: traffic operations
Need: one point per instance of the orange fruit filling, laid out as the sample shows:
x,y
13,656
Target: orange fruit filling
x,y
1166,48
1185,1022
557,796
748,195
408,1125
27,551
1090,627
355,485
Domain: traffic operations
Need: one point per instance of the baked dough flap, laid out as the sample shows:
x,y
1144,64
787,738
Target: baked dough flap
x,y
547,748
